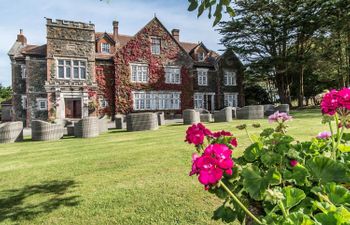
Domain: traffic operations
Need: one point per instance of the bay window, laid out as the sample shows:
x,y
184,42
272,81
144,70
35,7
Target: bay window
x,y
230,99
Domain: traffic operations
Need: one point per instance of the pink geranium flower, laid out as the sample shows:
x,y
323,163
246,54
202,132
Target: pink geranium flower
x,y
212,164
343,98
293,163
330,102
234,142
196,133
221,133
324,135
279,117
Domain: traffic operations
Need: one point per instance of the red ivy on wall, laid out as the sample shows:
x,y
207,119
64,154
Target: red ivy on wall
x,y
138,50
105,80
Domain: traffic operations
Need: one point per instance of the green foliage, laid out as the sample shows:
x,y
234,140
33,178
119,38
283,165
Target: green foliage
x,y
310,192
209,5
327,170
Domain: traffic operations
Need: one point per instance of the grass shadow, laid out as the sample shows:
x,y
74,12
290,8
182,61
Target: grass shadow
x,y
49,196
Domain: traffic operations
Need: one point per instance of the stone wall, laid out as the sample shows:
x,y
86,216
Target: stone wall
x,y
36,77
68,39
19,89
230,61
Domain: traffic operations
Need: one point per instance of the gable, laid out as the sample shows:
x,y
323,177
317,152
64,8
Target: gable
x,y
154,27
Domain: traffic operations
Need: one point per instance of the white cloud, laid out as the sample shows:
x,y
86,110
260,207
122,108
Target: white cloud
x,y
132,16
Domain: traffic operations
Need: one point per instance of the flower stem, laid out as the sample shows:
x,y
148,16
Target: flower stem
x,y
239,202
339,137
285,214
332,137
251,140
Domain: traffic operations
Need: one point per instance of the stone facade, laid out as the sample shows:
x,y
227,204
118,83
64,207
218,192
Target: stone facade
x,y
80,72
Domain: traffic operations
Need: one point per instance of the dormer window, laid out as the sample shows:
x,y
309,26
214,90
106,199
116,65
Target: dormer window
x,y
105,47
155,45
201,56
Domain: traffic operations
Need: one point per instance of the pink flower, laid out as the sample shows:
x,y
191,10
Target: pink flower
x,y
221,133
293,163
324,135
212,164
223,156
194,170
279,117
330,102
344,98
196,133
234,142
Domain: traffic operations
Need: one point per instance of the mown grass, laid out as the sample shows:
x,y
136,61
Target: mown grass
x,y
117,178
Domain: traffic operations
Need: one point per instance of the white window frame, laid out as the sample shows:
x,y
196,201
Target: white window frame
x,y
231,99
198,100
172,75
141,75
202,76
39,101
71,67
156,100
230,78
103,103
24,102
105,47
201,56
23,71
156,47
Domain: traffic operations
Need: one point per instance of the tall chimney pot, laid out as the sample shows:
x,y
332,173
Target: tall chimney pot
x,y
115,30
21,38
176,34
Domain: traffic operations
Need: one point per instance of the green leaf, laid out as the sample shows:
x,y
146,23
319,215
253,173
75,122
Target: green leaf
x,y
340,217
224,213
293,196
297,174
337,194
327,170
267,132
193,5
271,158
230,11
253,152
344,148
255,184
201,9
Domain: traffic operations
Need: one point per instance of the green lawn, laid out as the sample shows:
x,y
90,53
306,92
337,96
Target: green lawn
x,y
117,178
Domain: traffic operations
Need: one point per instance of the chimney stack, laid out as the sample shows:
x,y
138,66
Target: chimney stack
x,y
115,30
21,38
176,34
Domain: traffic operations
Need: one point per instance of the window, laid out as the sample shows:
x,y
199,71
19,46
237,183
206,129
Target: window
x,y
103,102
155,45
229,78
201,56
23,71
156,100
172,75
230,99
41,103
139,73
198,101
202,77
24,102
68,67
105,47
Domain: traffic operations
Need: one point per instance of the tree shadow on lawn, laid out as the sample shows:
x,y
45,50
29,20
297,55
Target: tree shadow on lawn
x,y
49,195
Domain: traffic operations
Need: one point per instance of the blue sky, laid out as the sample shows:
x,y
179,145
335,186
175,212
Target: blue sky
x,y
131,14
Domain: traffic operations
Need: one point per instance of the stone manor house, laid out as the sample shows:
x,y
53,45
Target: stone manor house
x,y
81,72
